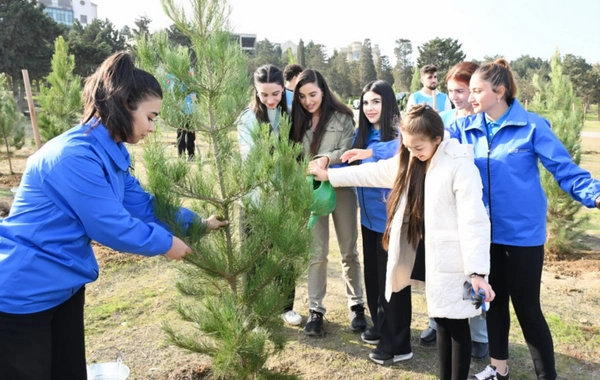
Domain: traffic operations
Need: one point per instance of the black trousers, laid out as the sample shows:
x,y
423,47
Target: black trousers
x,y
185,141
454,348
516,274
49,345
392,319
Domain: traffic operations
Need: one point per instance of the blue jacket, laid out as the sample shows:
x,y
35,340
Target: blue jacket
x,y
76,189
512,191
373,213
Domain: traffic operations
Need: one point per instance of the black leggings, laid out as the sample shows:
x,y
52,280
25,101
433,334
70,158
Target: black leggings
x,y
185,141
516,274
391,319
454,348
48,345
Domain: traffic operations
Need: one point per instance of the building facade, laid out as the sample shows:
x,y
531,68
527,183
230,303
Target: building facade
x,y
352,51
67,11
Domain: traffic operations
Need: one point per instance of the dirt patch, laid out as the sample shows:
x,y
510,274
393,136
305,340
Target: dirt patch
x,y
107,256
10,180
196,373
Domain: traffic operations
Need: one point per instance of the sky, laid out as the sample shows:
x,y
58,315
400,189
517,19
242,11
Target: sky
x,y
510,28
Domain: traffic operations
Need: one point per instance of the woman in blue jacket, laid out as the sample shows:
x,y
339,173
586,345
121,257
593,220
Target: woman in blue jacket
x,y
509,142
377,139
76,189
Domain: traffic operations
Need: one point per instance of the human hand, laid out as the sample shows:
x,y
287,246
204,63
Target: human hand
x,y
356,154
321,162
213,222
178,250
319,173
479,282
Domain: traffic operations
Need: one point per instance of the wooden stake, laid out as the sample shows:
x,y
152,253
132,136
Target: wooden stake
x,y
34,125
526,104
434,101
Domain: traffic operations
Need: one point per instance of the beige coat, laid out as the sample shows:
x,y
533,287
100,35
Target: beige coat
x,y
457,228
338,137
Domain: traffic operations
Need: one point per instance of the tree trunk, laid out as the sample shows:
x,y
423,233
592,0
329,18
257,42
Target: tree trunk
x,y
8,155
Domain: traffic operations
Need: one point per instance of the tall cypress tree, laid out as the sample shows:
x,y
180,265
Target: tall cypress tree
x,y
415,84
557,102
60,101
237,279
367,67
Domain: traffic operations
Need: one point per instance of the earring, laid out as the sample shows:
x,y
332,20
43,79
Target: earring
x,y
498,100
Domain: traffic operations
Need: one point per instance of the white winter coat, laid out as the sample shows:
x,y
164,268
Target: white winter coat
x,y
457,228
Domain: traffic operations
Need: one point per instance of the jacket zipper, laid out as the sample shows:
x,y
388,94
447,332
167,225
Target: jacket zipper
x,y
490,182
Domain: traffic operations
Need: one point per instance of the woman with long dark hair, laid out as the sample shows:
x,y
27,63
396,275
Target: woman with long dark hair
x,y
435,198
76,189
377,139
325,128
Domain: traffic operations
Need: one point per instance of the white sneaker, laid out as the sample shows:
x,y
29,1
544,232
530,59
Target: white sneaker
x,y
490,373
292,318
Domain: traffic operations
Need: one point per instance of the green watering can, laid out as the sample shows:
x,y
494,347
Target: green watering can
x,y
323,199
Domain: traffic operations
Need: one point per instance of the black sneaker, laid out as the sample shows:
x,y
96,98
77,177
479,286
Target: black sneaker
x,y
314,325
357,316
382,358
490,373
371,336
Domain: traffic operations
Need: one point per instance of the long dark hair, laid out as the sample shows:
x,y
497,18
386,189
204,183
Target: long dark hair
x,y
390,115
301,117
267,74
114,91
419,120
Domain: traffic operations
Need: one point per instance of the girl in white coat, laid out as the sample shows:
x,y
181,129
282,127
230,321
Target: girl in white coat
x,y
436,196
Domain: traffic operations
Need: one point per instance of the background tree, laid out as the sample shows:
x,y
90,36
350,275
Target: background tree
x,y
595,95
339,76
403,69
525,68
12,129
384,69
315,57
27,36
93,43
233,298
415,84
60,100
365,62
557,102
443,53
300,52
264,53
580,74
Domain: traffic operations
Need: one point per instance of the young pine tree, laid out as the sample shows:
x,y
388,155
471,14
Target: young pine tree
x,y
60,101
12,129
237,279
557,102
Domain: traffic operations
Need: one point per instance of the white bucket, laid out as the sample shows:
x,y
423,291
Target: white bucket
x,y
108,371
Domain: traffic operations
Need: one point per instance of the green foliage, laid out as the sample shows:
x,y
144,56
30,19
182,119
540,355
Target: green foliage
x,y
365,62
443,53
315,57
384,70
403,72
415,84
338,76
26,38
235,283
264,53
61,101
12,129
301,54
557,102
94,43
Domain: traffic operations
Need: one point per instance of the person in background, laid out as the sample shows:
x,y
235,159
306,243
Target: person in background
x,y
435,198
75,189
509,143
325,128
429,80
186,136
457,82
290,73
377,139
268,106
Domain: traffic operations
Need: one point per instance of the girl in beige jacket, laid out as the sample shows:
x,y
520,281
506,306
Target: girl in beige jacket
x,y
436,196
